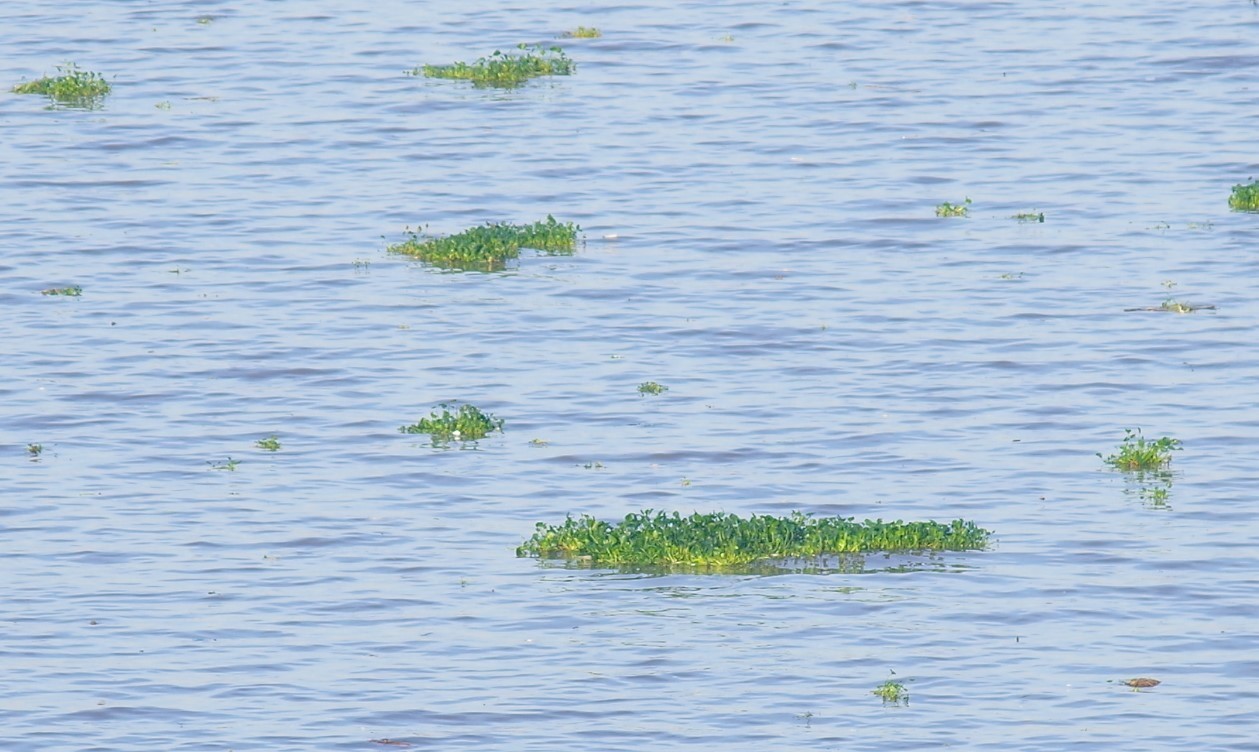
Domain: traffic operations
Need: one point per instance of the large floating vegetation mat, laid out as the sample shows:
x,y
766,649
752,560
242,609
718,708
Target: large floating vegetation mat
x,y
718,539
505,70
74,87
490,246
1245,197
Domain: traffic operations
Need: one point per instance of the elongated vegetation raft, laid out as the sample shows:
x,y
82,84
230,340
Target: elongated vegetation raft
x,y
73,88
505,70
719,539
490,246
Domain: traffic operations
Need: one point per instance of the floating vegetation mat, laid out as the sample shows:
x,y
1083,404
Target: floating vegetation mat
x,y
466,423
491,246
505,70
954,210
1245,197
1173,306
1138,454
726,540
73,88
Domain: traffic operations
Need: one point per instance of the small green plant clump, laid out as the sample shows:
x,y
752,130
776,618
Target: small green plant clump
x,y
953,210
1025,217
466,423
71,292
651,387
505,70
34,450
1136,453
269,444
230,465
1245,197
582,32
726,540
73,88
892,692
490,246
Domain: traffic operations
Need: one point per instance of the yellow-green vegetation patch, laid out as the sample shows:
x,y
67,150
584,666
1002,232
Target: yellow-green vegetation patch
x,y
725,540
70,292
269,444
1025,217
74,87
505,70
491,246
1245,197
466,423
582,32
953,210
651,387
1138,454
892,692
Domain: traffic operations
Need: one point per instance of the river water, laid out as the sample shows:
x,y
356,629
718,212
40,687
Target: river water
x,y
757,185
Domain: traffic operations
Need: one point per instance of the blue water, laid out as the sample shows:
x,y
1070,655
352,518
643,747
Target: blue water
x,y
757,187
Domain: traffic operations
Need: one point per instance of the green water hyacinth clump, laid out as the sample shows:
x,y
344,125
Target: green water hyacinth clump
x,y
719,539
947,209
491,246
505,70
1245,197
1137,454
583,32
466,423
73,88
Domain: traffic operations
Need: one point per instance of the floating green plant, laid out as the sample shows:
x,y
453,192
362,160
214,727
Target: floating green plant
x,y
892,692
466,423
953,210
1137,454
1245,197
725,540
1025,217
505,70
651,387
70,292
1173,306
490,246
269,444
230,465
1156,495
73,88
34,450
582,32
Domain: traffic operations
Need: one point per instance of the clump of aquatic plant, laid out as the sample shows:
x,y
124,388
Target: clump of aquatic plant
x,y
71,292
947,209
892,692
230,465
466,423
74,87
582,32
1156,495
725,540
651,387
34,450
1174,306
269,444
490,246
1025,217
1245,197
505,70
1137,453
